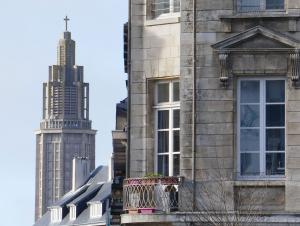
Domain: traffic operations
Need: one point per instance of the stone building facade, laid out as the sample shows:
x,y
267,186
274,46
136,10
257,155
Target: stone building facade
x,y
119,141
214,106
65,130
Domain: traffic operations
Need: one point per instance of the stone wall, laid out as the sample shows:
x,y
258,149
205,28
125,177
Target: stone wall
x,y
155,54
216,106
163,49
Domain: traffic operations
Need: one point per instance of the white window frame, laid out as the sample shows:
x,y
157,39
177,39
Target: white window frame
x,y
170,106
166,15
262,7
262,129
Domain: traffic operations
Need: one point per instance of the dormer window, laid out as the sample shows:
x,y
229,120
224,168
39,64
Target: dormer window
x,y
73,214
259,5
56,214
95,209
164,8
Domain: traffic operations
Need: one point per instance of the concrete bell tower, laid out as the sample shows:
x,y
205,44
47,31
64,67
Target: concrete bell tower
x,y
65,130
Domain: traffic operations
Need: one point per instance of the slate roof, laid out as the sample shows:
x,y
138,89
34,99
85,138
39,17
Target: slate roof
x,y
96,188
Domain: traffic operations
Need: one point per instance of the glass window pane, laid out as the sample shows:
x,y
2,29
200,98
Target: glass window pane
x,y
249,5
176,5
249,140
163,92
275,115
163,165
160,7
176,144
176,91
249,164
249,91
275,140
176,166
275,163
176,118
249,115
275,91
163,141
274,4
163,119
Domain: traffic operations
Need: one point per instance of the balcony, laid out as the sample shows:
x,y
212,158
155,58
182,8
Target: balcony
x,y
65,124
151,195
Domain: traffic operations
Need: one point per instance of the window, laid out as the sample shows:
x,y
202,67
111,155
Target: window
x,y
162,7
72,212
56,214
261,127
167,111
95,210
259,5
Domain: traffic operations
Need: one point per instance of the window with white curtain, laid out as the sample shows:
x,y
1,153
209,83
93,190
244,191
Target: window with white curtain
x,y
259,5
261,127
167,128
159,8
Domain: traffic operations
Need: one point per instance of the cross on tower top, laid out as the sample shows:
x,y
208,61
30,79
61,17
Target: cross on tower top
x,y
66,19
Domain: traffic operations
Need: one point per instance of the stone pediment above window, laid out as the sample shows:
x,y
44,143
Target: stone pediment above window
x,y
251,51
257,38
259,41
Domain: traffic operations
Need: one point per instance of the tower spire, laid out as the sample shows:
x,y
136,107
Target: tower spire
x,y
65,130
66,47
66,19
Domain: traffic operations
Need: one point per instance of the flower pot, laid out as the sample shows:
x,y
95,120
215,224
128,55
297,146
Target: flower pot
x,y
133,211
146,210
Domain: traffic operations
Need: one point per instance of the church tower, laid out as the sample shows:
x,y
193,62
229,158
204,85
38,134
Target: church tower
x,y
65,130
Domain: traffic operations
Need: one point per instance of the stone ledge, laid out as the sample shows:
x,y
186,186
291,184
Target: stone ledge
x,y
119,135
149,218
260,183
260,15
170,20
44,131
283,218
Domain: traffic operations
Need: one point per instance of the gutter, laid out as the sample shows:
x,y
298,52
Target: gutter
x,y
194,107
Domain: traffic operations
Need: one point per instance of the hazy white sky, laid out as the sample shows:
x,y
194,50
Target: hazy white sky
x,y
30,30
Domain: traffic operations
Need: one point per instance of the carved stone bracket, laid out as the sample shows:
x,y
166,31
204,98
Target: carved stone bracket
x,y
294,66
224,68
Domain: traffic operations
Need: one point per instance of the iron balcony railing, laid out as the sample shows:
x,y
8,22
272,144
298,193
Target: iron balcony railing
x,y
147,195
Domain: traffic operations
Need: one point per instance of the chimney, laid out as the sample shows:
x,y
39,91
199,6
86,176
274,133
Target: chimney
x,y
80,171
